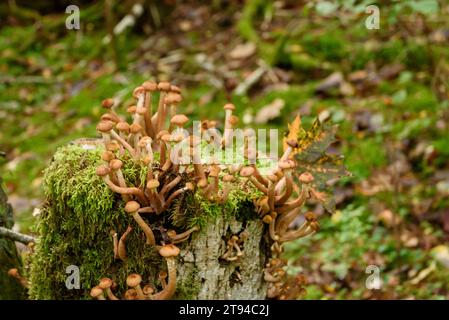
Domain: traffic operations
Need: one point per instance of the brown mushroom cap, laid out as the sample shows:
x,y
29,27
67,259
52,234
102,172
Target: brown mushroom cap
x,y
115,164
135,128
148,289
310,216
122,126
105,283
234,120
132,206
108,117
141,110
131,294
246,171
96,292
112,146
173,98
138,91
285,165
169,250
202,183
164,86
161,134
152,184
105,126
133,280
228,178
13,272
267,219
214,171
229,106
102,170
306,177
144,141
149,85
174,88
107,103
166,137
179,120
131,109
107,156
171,234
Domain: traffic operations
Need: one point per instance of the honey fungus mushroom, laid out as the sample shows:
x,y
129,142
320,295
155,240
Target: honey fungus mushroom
x,y
149,140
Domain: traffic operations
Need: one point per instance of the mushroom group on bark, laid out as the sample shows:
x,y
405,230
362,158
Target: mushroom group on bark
x,y
156,138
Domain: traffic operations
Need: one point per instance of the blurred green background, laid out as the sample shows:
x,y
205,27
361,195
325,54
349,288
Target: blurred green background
x,y
387,88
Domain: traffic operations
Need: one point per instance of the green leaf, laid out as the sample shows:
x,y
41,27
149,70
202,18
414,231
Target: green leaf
x,y
426,7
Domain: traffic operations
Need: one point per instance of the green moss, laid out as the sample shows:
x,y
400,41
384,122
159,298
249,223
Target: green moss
x,y
79,213
189,289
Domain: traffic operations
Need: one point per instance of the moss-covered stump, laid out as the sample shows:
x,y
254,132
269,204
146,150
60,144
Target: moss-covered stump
x,y
80,211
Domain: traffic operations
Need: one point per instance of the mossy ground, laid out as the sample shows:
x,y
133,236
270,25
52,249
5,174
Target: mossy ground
x,y
79,213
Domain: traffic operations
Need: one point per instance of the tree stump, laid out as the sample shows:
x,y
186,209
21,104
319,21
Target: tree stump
x,y
80,212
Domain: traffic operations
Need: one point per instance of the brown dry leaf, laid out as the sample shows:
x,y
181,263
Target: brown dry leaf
x,y
331,82
409,240
243,51
295,131
389,218
270,111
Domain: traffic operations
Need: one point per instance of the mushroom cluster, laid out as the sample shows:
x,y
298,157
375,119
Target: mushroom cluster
x,y
152,138
169,252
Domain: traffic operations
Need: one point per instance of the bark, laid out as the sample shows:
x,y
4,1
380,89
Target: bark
x,y
9,287
201,266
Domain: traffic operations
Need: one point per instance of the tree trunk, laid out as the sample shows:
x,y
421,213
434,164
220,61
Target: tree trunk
x,y
217,279
9,287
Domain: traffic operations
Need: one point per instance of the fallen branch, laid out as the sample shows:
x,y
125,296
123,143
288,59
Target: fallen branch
x,y
23,238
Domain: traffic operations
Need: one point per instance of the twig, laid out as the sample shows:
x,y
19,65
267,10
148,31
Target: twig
x,y
23,238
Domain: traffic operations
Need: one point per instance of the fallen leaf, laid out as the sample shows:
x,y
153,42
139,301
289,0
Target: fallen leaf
x,y
243,51
270,111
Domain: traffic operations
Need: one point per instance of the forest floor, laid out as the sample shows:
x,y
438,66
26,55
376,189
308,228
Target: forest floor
x,y
387,89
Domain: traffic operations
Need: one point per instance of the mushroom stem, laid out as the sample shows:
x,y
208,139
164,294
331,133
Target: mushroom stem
x,y
303,231
258,185
295,203
162,278
121,251
132,207
271,227
177,193
185,235
271,196
161,112
146,228
286,219
123,142
128,190
169,252
169,186
288,189
259,177
115,243
170,288
199,170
